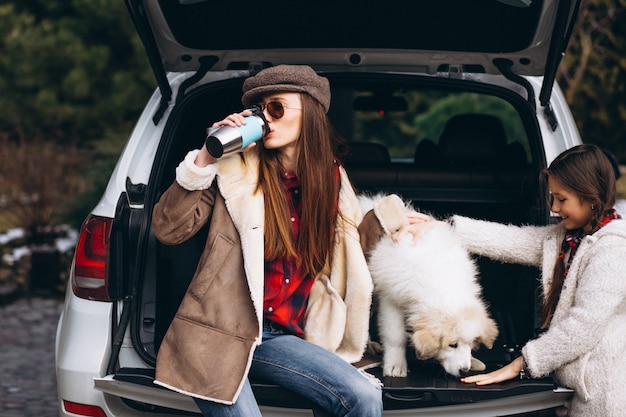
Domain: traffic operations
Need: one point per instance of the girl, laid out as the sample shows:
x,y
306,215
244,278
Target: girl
x,y
282,292
583,259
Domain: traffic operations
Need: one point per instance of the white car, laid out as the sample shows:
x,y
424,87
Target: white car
x,y
451,104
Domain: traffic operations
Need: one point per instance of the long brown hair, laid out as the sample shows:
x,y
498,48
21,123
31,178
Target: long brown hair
x,y
587,171
315,169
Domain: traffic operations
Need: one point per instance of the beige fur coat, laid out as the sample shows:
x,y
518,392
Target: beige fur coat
x,y
207,353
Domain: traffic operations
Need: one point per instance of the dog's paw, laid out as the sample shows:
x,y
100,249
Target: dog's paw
x,y
395,369
394,361
477,365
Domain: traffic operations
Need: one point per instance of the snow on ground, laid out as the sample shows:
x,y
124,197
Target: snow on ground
x,y
65,243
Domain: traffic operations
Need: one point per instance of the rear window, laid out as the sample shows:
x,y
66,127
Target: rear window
x,y
411,123
445,25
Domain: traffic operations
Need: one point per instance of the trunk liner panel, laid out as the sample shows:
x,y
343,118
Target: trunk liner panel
x,y
426,386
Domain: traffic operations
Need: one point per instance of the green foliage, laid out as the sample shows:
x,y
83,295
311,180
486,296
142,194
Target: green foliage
x,y
434,120
73,73
427,113
71,70
593,74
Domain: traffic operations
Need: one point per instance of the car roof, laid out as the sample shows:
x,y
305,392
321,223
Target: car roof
x,y
517,37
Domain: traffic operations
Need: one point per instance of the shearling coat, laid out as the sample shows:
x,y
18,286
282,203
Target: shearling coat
x,y
207,350
586,342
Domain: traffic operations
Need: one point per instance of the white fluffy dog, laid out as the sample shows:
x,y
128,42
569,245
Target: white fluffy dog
x,y
431,287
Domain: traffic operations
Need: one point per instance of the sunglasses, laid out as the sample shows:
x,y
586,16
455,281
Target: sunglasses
x,y
276,109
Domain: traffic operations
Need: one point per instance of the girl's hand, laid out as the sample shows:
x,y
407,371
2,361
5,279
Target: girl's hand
x,y
510,371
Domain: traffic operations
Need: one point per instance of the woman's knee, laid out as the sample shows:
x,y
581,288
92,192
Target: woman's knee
x,y
245,405
366,400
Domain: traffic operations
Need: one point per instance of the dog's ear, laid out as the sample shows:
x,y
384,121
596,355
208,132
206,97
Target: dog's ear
x,y
485,329
431,332
477,365
489,333
425,342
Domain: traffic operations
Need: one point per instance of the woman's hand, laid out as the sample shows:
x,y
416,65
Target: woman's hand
x,y
419,223
204,158
417,217
233,120
510,371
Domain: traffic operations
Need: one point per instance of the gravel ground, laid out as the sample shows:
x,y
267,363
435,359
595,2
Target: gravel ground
x,y
27,333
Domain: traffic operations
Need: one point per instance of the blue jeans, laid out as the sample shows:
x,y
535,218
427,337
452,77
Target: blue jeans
x,y
308,370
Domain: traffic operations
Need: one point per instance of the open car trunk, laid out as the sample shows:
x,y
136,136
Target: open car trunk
x,y
491,176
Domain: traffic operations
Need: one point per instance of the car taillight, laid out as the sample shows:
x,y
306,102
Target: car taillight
x,y
92,257
83,409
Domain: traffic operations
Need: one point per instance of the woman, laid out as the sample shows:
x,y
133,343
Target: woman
x,y
282,292
583,259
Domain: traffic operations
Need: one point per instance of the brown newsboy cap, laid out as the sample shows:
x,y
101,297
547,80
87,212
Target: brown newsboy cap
x,y
289,78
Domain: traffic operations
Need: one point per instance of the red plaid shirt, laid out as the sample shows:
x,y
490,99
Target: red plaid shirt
x,y
286,289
